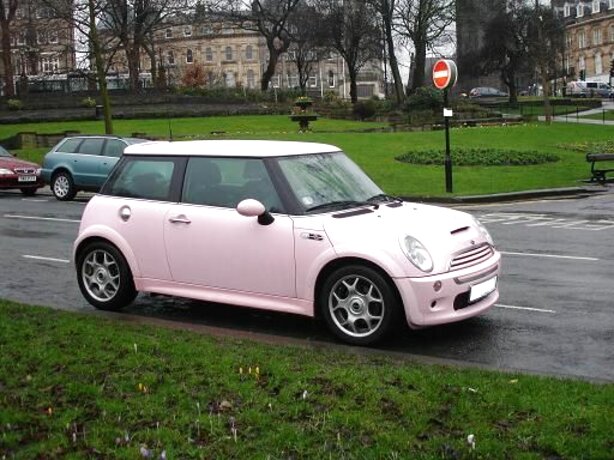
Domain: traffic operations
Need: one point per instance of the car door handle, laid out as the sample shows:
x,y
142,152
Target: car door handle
x,y
180,219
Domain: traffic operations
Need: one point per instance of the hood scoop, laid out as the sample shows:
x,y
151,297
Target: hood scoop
x,y
459,230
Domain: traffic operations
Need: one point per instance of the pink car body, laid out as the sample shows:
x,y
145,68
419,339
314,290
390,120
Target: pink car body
x,y
224,254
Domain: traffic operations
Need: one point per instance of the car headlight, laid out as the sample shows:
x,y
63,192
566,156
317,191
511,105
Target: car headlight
x,y
39,171
417,253
4,172
484,232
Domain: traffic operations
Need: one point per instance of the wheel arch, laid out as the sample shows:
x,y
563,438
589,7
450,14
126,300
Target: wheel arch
x,y
121,246
334,264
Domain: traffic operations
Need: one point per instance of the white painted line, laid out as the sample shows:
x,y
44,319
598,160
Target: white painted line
x,y
515,307
53,219
34,200
550,256
49,259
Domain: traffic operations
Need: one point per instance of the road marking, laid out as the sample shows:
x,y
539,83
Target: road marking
x,y
34,200
543,220
48,259
551,256
516,307
53,219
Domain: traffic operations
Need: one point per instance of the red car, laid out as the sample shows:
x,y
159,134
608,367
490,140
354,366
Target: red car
x,y
16,173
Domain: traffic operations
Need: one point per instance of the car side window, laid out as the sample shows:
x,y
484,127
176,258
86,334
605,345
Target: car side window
x,y
91,146
225,182
145,178
69,146
114,148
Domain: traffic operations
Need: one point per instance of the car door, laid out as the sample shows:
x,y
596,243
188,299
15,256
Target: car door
x,y
111,153
87,162
210,244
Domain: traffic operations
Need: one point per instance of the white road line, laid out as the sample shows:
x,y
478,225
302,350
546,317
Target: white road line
x,y
515,307
34,200
48,259
53,219
550,256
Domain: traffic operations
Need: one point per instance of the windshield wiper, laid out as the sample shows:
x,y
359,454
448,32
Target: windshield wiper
x,y
384,197
341,204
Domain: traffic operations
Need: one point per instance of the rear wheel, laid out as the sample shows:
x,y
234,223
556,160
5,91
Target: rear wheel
x,y
63,186
359,305
29,191
104,277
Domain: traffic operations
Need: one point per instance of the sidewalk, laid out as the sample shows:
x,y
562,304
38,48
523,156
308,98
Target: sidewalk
x,y
578,118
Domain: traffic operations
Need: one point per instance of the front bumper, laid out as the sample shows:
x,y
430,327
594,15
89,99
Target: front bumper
x,y
12,181
424,306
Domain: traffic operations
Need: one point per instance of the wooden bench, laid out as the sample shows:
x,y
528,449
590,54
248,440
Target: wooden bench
x,y
599,174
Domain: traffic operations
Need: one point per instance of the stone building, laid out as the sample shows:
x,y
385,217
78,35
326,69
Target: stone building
x,y
589,38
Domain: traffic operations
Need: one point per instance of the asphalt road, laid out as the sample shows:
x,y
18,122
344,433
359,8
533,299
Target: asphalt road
x,y
555,314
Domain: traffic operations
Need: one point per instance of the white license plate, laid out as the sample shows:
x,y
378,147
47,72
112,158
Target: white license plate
x,y
26,179
482,289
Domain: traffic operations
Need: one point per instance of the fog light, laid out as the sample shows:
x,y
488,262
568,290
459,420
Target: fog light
x,y
437,286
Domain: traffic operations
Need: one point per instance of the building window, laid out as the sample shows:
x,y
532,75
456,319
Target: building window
x,y
208,54
50,64
187,31
567,10
189,56
275,81
611,33
597,37
228,53
596,6
251,81
610,4
249,53
292,81
598,64
41,37
21,38
580,10
581,39
229,79
312,82
170,57
169,33
206,30
53,36
331,79
581,63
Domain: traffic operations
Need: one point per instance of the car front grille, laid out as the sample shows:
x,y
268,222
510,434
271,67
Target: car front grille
x,y
471,256
25,170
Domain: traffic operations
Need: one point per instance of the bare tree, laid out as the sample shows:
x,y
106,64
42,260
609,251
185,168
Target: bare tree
x,y
270,19
424,23
8,9
354,34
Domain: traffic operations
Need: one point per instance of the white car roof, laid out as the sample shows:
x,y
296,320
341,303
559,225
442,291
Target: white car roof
x,y
229,148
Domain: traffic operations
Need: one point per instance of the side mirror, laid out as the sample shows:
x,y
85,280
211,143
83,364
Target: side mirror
x,y
254,208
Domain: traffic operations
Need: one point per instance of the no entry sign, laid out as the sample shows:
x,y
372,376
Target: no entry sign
x,y
444,74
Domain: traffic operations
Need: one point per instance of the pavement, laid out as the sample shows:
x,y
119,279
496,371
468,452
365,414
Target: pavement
x,y
578,118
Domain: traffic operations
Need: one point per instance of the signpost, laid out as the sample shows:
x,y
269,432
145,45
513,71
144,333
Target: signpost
x,y
445,75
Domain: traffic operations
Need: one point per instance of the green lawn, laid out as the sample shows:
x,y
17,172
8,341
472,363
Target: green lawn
x,y
79,386
376,151
608,114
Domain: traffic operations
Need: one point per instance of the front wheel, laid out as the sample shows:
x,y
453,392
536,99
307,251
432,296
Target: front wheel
x,y
63,186
359,305
104,277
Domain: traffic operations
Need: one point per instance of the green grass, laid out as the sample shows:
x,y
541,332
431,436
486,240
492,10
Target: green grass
x,y
376,151
608,115
81,386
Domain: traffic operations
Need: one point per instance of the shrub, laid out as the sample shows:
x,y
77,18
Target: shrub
x,y
479,157
425,98
365,109
14,104
88,102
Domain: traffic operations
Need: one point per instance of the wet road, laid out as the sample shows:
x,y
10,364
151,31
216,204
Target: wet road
x,y
555,314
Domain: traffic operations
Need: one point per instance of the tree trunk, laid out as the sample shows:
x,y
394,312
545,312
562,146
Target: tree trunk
x,y
9,87
270,69
353,87
399,94
419,63
100,70
546,86
133,55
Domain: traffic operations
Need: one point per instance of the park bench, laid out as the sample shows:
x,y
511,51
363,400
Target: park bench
x,y
599,174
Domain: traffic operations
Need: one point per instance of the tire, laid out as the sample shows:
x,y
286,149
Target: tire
x,y
29,191
104,277
351,293
63,186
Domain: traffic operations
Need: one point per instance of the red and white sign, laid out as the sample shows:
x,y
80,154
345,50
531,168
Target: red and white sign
x,y
444,74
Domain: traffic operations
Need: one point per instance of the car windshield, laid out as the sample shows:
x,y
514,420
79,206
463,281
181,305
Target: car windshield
x,y
4,152
328,181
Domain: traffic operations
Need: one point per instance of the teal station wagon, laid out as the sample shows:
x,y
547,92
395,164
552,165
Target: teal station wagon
x,y
82,163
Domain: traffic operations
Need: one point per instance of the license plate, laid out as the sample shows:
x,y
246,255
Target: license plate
x,y
26,179
481,290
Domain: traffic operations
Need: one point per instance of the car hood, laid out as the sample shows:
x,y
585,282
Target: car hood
x,y
444,232
11,163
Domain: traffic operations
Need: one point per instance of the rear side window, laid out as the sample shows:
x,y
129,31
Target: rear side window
x,y
114,148
91,146
146,178
69,146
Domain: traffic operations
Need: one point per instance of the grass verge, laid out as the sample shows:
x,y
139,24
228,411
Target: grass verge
x,y
81,386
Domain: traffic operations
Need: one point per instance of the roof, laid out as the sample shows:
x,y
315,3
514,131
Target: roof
x,y
229,148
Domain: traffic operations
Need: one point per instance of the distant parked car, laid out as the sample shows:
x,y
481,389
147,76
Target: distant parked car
x,y
19,174
486,91
82,163
588,89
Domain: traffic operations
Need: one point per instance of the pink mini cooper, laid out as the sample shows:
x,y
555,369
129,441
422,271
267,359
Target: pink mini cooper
x,y
287,226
